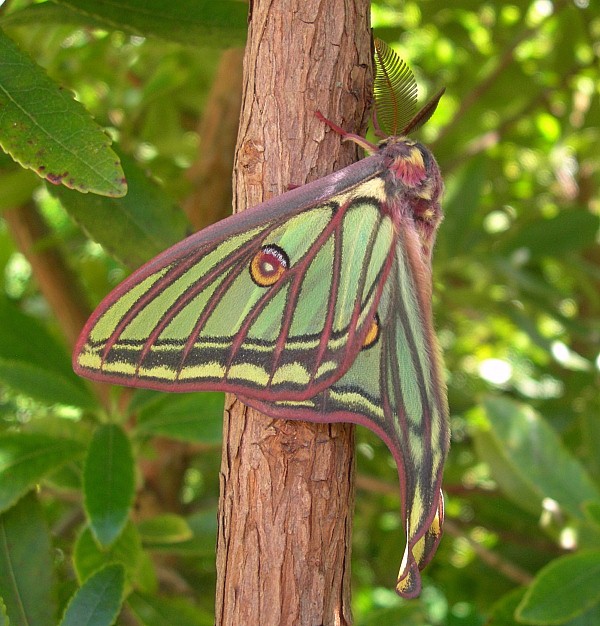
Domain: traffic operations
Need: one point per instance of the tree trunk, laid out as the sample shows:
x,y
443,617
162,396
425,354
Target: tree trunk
x,y
287,490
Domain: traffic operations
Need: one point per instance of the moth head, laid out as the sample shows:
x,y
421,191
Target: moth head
x,y
414,186
412,169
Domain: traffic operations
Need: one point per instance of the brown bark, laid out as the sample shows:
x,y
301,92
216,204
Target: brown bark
x,y
287,488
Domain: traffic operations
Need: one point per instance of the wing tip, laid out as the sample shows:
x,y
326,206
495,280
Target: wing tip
x,y
418,552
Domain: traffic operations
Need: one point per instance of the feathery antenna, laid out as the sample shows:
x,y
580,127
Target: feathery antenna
x,y
395,92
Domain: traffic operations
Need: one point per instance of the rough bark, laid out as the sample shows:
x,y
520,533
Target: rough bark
x,y
287,488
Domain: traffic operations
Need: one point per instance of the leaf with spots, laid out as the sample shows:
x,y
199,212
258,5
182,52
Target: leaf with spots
x,y
46,130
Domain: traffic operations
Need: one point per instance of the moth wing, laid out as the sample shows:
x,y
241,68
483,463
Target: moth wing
x,y
200,317
395,388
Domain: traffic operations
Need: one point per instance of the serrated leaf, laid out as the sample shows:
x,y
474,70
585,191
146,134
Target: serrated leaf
x,y
25,459
196,417
40,384
154,610
108,482
164,529
98,601
529,461
88,556
562,590
26,573
134,228
46,130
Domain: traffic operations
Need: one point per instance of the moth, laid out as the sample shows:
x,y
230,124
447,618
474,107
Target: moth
x,y
314,305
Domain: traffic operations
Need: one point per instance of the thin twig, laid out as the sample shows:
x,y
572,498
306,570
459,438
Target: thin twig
x,y
57,282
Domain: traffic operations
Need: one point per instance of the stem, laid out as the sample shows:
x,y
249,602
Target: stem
x,y
283,546
58,284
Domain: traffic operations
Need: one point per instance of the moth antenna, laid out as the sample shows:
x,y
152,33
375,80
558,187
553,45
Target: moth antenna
x,y
376,128
395,90
424,113
367,146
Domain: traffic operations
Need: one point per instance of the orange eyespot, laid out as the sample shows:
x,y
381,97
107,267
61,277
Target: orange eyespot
x,y
373,333
268,265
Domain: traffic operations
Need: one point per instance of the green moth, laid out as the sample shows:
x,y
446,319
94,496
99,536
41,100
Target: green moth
x,y
314,305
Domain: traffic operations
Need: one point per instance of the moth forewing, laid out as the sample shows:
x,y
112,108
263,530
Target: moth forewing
x,y
314,305
196,318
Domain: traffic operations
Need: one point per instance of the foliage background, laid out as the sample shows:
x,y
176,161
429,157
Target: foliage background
x,y
517,307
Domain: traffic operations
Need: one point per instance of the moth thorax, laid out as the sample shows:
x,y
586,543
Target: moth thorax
x,y
268,265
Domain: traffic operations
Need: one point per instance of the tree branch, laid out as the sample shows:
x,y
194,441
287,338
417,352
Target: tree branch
x,y
57,282
287,490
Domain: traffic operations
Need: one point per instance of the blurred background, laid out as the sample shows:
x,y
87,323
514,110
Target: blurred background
x,y
517,306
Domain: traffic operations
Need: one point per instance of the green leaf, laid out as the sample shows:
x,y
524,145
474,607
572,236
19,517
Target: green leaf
x,y
146,579
460,207
502,612
196,417
26,572
4,621
569,230
88,556
197,22
589,617
155,610
98,601
164,529
134,228
203,525
528,460
108,482
40,353
25,459
17,186
46,130
40,348
222,24
562,590
592,511
43,385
